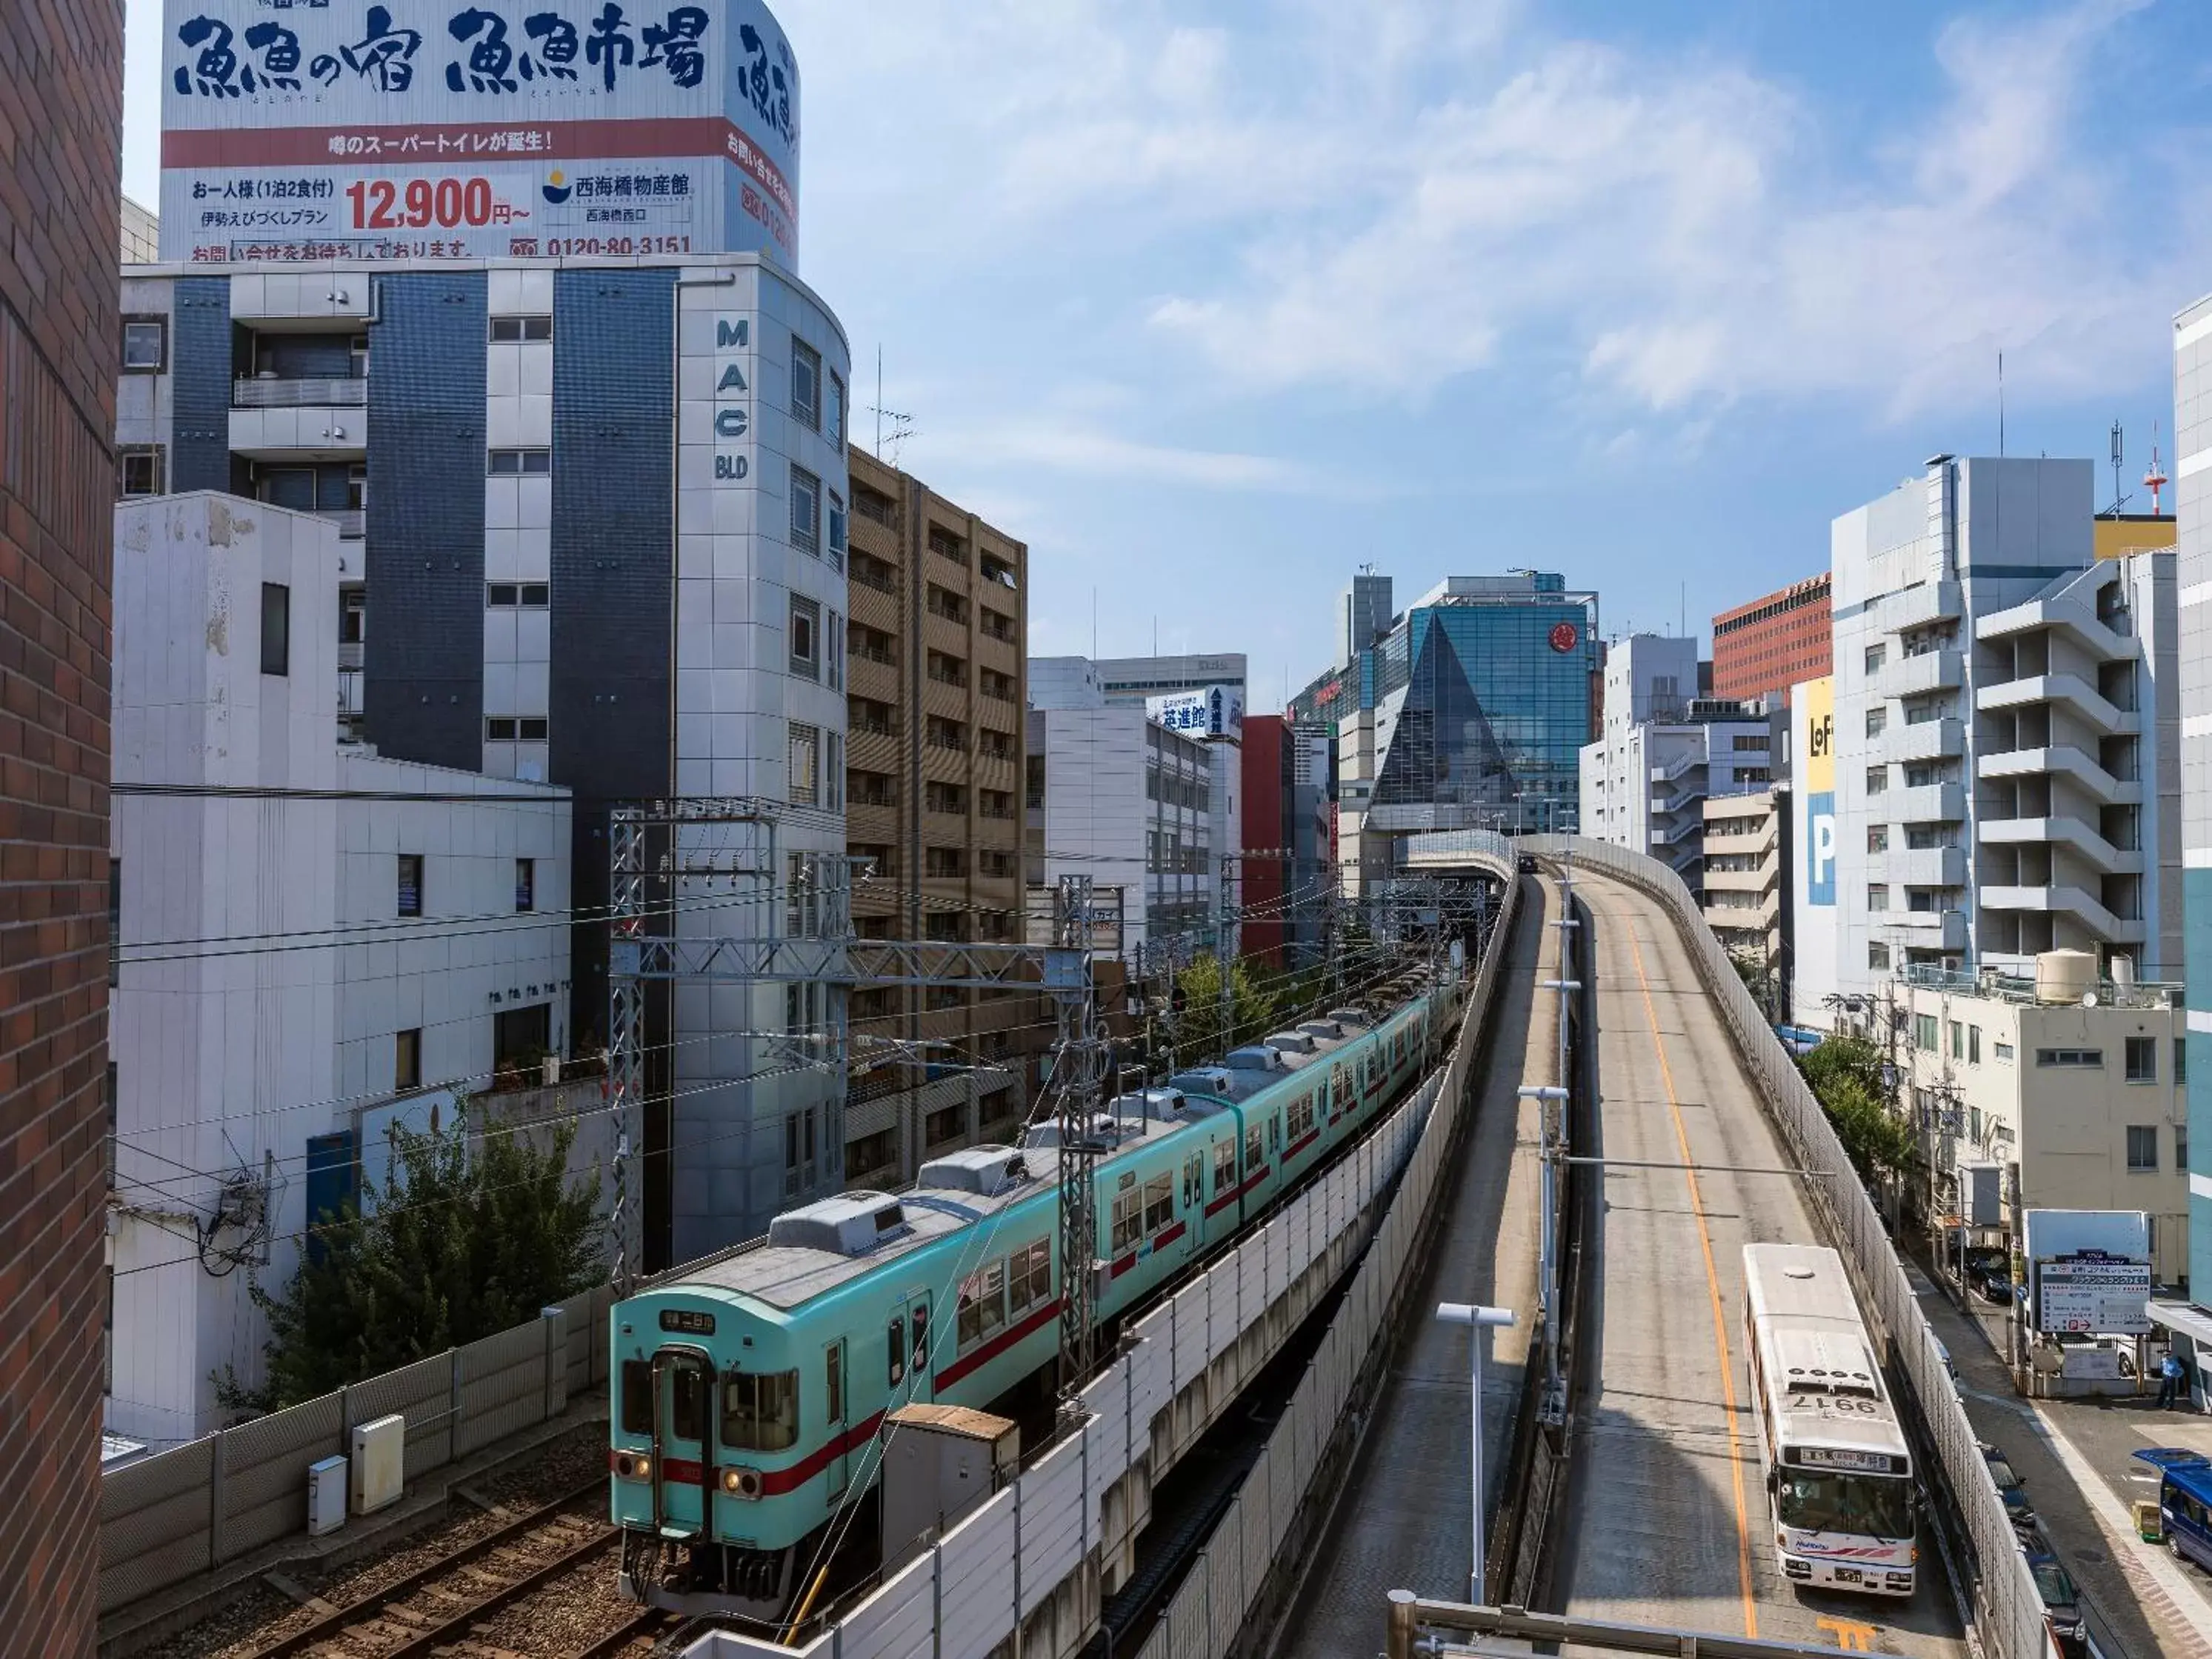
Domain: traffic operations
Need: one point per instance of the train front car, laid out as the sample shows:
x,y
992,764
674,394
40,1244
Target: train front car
x,y
741,1420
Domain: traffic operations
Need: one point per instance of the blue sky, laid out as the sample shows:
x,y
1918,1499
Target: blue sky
x,y
1212,303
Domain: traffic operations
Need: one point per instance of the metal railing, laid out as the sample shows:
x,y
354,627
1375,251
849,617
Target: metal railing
x,y
2009,1609
314,391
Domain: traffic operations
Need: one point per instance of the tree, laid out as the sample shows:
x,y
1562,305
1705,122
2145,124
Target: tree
x,y
1199,1034
1845,1076
462,1241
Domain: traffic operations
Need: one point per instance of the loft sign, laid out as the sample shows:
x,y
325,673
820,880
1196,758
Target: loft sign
x,y
734,396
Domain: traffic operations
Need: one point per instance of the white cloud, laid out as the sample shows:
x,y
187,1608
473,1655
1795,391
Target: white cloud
x,y
1089,452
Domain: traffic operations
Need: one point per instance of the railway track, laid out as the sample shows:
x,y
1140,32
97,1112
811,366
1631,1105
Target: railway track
x,y
446,1605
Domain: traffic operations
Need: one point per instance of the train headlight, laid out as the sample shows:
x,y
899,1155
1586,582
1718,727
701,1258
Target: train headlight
x,y
742,1483
633,1466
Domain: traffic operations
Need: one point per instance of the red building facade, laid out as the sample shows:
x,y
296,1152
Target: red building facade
x,y
61,99
1763,648
1265,775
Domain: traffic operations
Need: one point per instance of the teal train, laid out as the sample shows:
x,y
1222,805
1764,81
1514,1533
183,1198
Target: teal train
x,y
750,1389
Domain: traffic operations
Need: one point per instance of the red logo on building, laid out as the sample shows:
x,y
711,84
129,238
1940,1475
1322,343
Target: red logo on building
x,y
1564,636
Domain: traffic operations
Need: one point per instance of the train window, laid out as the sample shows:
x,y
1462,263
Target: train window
x,y
981,1311
920,1337
686,1418
1193,1179
1251,1150
637,1396
1128,1219
895,1347
1275,1134
1029,1277
1159,1202
834,1396
1225,1166
760,1410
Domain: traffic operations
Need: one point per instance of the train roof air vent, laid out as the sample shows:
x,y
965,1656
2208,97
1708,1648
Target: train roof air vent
x,y
852,1224
989,1170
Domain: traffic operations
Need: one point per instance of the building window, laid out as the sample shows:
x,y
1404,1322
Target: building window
x,y
833,778
1877,721
514,728
2142,1148
1877,779
1958,1041
2078,1059
805,511
407,1059
1877,895
805,638
1973,1045
143,470
1924,1032
1878,957
506,329
836,423
526,596
805,764
2003,1052
2180,1062
525,884
410,885
2142,1059
1877,838
833,651
806,385
145,345
512,463
2181,1147
838,542
276,628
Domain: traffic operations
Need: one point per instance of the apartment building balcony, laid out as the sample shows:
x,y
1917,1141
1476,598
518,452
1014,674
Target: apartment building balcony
x,y
326,300
2066,612
1941,670
1722,880
1924,740
314,418
1758,917
2075,834
2073,691
2064,759
1923,930
2082,905
1917,607
1756,845
1921,866
1931,803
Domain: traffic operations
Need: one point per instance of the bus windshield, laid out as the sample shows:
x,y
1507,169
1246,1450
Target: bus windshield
x,y
1867,1506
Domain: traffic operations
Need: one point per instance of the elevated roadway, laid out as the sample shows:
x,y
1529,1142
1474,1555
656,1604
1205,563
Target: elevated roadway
x,y
1404,1519
1667,1519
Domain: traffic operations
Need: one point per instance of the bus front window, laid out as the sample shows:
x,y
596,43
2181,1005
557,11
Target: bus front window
x,y
1868,1506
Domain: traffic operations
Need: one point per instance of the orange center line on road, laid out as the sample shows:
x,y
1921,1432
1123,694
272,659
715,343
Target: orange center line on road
x,y
1713,1287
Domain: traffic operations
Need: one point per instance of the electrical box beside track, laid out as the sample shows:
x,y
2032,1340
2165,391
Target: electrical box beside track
x,y
939,1462
380,1463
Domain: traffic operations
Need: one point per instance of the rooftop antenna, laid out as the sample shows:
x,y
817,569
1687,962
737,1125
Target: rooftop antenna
x,y
2155,480
2000,405
2118,499
902,425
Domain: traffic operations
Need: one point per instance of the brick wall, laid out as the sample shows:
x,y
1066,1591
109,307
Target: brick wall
x,y
61,94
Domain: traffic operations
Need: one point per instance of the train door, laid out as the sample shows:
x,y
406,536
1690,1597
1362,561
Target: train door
x,y
683,1417
832,1396
916,1312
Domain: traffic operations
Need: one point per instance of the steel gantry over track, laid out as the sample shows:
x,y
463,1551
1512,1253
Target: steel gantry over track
x,y
698,858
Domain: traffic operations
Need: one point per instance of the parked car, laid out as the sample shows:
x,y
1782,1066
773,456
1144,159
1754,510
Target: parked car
x,y
2061,1602
2018,1510
1991,1280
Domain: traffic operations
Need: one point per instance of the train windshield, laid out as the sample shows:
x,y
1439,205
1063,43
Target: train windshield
x,y
1864,1506
760,1411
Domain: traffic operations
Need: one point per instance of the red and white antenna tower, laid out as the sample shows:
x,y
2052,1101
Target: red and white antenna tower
x,y
2155,479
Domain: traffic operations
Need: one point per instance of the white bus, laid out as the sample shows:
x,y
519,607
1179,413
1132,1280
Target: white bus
x,y
1838,1476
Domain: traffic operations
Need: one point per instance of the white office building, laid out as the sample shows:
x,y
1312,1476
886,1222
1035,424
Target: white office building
x,y
2005,736
1645,783
313,941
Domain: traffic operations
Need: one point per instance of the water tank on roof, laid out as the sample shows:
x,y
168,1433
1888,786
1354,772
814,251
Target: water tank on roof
x,y
2064,975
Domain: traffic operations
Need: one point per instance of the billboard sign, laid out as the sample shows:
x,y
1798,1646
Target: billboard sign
x,y
1812,872
1216,712
297,130
2094,1292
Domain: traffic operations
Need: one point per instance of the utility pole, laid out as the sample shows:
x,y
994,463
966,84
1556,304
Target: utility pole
x,y
1080,1059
